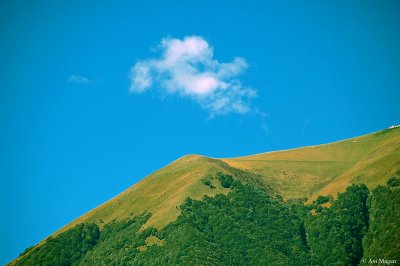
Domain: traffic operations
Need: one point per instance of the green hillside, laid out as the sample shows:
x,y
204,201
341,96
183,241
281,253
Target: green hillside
x,y
296,175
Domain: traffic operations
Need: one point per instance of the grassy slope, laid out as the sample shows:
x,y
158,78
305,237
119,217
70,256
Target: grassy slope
x,y
297,173
160,193
327,169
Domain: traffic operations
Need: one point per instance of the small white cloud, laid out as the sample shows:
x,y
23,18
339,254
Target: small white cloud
x,y
78,79
187,67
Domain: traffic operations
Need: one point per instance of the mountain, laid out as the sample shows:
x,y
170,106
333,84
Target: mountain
x,y
302,176
297,173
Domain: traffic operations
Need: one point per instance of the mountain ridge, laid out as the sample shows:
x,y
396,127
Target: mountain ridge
x,y
184,175
302,173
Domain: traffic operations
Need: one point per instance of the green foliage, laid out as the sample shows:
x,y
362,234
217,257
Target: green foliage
x,y
241,228
226,180
119,242
26,251
383,237
207,182
393,182
334,235
323,199
65,249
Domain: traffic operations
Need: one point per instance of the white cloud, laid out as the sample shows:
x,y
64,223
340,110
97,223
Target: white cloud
x,y
79,79
187,67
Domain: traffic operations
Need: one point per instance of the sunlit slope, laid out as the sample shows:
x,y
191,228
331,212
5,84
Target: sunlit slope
x,y
297,173
160,193
327,169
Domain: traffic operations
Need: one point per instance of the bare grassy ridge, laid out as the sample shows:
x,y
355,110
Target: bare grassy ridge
x,y
327,169
297,173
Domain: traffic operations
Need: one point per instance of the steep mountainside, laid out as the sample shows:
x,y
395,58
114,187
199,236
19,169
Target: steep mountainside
x,y
297,174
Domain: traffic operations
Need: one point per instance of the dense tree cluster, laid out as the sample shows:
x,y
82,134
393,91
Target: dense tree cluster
x,y
119,242
323,199
65,249
246,227
335,234
226,180
383,238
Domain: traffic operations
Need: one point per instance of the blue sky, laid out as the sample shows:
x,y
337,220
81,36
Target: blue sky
x,y
76,130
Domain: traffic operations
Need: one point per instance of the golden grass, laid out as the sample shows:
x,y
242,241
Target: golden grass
x,y
151,240
159,193
327,169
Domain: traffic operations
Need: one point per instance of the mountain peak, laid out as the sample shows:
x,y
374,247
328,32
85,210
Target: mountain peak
x,y
299,173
